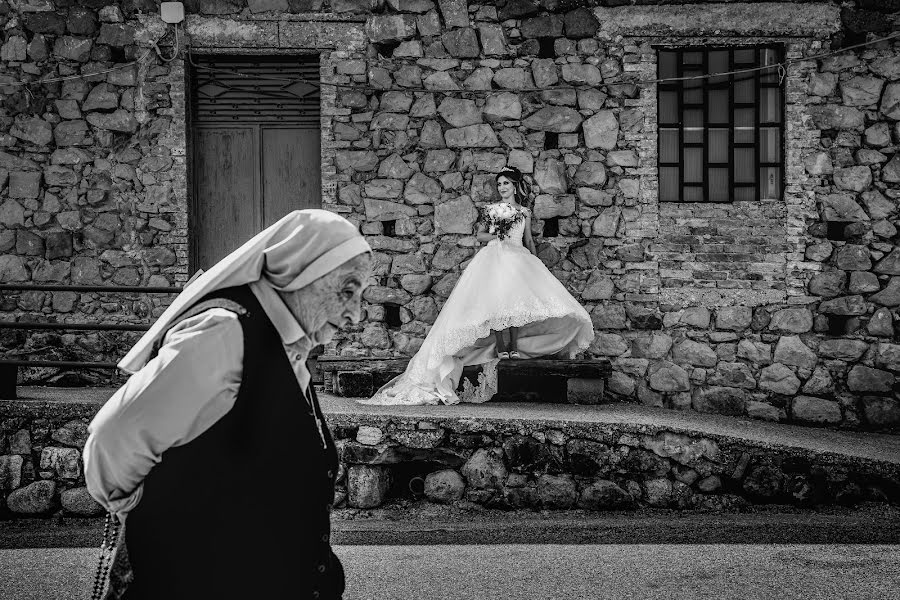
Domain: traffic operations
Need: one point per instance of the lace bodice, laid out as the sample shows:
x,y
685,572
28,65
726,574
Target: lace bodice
x,y
516,233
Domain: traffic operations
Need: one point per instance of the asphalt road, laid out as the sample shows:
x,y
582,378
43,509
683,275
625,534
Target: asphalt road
x,y
542,572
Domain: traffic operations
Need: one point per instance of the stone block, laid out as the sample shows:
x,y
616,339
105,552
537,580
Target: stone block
x,y
558,119
657,492
608,316
79,502
882,323
863,282
880,412
65,462
669,377
580,23
74,434
846,306
455,216
10,472
889,265
485,469
890,101
35,498
601,130
584,391
694,353
790,350
842,207
581,74
503,106
732,374
354,384
828,284
764,482
733,318
472,136
557,491
721,400
24,184
445,486
604,495
815,410
367,485
867,379
779,379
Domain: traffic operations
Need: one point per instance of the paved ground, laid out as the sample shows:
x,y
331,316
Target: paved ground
x,y
533,572
864,446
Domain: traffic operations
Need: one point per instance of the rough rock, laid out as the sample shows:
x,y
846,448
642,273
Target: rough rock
x,y
558,119
503,106
658,492
604,495
557,491
79,502
779,379
367,485
473,136
733,318
733,374
485,469
790,350
456,216
601,130
847,305
792,320
721,400
880,412
881,323
695,353
815,410
444,487
841,207
669,377
867,379
33,499
764,482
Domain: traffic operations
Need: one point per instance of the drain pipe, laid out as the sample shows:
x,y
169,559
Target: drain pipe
x,y
417,486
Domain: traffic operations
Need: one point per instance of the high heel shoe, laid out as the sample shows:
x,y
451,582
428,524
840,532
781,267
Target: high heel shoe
x,y
503,355
514,354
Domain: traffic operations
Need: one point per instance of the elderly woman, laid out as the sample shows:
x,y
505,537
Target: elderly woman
x,y
216,448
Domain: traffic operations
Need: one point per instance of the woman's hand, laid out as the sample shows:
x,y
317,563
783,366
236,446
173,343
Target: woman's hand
x,y
485,237
527,240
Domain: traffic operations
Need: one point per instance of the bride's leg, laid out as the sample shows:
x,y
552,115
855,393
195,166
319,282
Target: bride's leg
x,y
498,340
513,342
502,349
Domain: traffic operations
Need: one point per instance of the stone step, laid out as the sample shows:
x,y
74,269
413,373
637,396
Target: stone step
x,y
547,380
513,455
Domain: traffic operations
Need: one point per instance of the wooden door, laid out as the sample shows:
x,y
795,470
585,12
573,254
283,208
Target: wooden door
x,y
256,148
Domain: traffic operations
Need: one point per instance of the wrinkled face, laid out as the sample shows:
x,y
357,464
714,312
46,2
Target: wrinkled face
x,y
506,188
332,301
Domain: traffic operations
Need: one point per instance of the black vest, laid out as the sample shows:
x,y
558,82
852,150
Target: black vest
x,y
243,510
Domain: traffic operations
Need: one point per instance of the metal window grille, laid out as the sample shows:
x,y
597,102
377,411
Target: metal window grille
x,y
720,138
257,89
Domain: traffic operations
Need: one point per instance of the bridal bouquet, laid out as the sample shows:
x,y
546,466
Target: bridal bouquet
x,y
501,217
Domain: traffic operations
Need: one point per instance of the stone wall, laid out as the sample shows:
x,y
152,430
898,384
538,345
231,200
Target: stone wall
x,y
496,463
744,309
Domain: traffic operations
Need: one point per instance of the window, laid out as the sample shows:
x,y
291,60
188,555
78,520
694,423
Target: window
x,y
720,138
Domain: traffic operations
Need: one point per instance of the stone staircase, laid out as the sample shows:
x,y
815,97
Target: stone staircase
x,y
547,380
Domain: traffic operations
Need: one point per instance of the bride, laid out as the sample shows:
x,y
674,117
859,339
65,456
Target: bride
x,y
506,293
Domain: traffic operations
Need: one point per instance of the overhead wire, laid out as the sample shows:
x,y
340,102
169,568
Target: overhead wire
x,y
779,67
140,59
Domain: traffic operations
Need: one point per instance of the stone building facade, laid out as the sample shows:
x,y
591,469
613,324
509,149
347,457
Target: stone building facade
x,y
780,308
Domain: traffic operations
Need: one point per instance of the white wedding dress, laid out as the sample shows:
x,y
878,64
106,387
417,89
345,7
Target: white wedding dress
x,y
503,286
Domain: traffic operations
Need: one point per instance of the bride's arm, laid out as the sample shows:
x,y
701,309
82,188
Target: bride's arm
x,y
527,239
482,235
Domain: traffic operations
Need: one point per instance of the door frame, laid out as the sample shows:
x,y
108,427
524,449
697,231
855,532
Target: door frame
x,y
193,209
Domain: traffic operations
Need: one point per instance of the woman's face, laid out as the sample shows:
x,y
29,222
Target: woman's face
x,y
506,188
331,302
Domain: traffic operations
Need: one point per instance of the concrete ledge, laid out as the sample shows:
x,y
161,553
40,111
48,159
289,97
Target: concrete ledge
x,y
505,455
765,19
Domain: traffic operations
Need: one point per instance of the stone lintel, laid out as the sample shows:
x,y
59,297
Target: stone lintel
x,y
767,19
309,34
214,32
217,32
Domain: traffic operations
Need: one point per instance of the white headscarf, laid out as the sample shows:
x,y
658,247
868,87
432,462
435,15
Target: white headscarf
x,y
298,249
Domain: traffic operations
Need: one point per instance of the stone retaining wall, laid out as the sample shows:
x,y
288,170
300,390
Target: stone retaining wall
x,y
780,309
492,462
